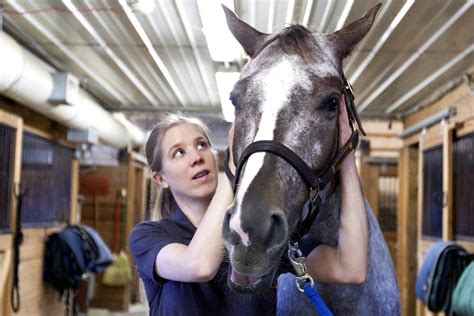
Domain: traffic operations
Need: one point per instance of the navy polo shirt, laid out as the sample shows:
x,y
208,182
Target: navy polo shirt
x,y
167,297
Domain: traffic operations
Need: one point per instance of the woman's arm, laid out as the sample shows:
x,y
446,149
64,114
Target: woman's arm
x,y
200,260
348,262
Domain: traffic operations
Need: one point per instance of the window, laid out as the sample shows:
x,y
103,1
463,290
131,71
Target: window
x,y
463,187
432,192
7,146
46,179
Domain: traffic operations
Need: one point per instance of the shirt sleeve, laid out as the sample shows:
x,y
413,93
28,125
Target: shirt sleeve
x,y
146,241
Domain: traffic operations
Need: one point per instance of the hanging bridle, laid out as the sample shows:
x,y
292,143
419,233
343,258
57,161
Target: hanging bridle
x,y
316,182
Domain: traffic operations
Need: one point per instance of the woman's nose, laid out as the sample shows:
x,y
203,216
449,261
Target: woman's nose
x,y
196,158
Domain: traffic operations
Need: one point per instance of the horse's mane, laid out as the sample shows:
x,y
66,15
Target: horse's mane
x,y
295,39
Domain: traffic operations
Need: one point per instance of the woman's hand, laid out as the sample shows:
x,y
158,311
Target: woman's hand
x,y
230,139
344,126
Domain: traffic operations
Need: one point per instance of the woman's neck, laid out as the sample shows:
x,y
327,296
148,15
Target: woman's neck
x,y
194,209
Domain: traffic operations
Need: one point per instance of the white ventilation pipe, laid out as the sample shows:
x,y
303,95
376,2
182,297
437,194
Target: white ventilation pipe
x,y
26,80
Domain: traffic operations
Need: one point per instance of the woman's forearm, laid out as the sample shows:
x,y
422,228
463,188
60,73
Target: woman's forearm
x,y
353,234
207,248
200,260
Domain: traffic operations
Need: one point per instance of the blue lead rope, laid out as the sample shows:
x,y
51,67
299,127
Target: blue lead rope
x,y
304,282
316,300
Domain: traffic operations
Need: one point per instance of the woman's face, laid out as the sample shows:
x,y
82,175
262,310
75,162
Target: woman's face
x,y
189,165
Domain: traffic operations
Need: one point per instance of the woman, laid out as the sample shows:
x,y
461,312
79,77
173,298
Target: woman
x,y
180,257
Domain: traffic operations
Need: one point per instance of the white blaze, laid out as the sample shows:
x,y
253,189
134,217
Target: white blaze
x,y
277,83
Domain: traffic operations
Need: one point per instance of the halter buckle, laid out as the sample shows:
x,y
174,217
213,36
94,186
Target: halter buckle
x,y
297,261
314,195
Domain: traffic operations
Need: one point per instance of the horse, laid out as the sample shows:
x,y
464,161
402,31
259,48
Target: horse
x,y
288,94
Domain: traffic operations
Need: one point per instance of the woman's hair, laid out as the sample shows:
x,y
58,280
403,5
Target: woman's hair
x,y
165,202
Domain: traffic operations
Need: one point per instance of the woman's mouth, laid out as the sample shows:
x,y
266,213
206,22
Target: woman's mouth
x,y
200,174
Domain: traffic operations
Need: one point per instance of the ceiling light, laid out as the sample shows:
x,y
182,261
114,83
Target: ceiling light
x,y
222,44
142,6
225,84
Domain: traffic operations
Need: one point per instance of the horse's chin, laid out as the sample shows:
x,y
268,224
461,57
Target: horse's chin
x,y
245,284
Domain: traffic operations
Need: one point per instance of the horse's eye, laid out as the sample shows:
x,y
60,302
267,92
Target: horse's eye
x,y
233,99
330,103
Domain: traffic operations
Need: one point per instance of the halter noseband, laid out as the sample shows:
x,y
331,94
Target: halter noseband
x,y
316,182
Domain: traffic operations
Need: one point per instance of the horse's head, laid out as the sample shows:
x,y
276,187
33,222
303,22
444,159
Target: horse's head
x,y
288,93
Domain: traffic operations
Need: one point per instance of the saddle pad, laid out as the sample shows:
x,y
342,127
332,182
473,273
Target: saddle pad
x,y
438,275
463,296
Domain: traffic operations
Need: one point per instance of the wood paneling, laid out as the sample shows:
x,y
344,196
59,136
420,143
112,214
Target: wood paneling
x,y
98,211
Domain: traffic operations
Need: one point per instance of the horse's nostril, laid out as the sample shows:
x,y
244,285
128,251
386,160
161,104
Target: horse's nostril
x,y
227,234
278,231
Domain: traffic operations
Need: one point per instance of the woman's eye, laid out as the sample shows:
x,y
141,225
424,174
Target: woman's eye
x,y
201,145
178,153
330,103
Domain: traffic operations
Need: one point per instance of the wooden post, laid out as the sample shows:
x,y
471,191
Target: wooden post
x,y
74,191
17,123
447,182
419,305
407,228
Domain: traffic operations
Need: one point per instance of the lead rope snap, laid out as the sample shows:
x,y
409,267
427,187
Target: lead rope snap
x,y
304,282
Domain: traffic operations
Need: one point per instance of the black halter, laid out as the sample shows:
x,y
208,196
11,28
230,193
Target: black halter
x,y
316,182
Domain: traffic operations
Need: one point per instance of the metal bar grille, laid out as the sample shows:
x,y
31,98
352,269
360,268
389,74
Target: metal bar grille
x,y
432,192
46,177
463,187
388,192
7,147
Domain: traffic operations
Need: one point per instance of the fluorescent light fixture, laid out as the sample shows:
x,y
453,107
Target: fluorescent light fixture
x,y
142,6
222,44
225,83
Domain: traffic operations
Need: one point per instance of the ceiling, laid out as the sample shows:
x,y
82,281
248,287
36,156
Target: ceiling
x,y
148,64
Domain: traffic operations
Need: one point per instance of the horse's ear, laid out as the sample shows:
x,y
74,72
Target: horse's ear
x,y
346,38
250,39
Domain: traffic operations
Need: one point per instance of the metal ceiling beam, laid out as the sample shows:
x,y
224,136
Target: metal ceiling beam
x,y
416,55
289,12
378,18
429,121
430,79
307,12
190,35
344,14
117,60
74,58
414,42
149,45
398,18
163,88
327,9
271,14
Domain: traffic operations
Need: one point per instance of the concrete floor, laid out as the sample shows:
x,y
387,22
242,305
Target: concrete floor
x,y
134,310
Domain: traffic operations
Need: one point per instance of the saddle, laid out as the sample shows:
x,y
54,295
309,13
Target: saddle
x,y
68,254
443,265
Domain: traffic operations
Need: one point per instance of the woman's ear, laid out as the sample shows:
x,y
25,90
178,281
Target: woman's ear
x,y
159,179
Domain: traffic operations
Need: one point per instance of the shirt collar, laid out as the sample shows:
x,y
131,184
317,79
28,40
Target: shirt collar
x,y
180,219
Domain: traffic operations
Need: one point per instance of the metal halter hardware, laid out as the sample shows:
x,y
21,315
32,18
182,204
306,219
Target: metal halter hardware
x,y
316,182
